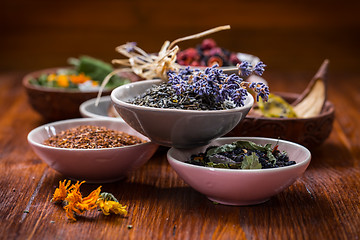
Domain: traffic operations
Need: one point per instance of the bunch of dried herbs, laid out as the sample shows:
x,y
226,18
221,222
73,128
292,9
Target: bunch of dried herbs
x,y
242,155
211,89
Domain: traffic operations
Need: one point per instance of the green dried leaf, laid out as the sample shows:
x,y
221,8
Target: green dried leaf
x,y
271,157
251,162
224,148
238,144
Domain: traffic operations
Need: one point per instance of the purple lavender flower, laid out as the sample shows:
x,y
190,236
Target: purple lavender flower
x,y
214,85
259,68
244,68
261,89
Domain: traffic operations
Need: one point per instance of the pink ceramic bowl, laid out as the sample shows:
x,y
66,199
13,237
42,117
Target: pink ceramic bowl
x,y
92,165
240,187
175,127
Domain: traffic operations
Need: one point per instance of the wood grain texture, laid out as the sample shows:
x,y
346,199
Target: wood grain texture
x,y
323,204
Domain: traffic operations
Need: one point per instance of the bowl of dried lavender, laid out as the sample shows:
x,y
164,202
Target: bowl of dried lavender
x,y
94,150
241,170
192,108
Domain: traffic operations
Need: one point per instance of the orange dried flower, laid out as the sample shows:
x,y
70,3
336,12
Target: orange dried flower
x,y
76,204
61,192
81,78
63,81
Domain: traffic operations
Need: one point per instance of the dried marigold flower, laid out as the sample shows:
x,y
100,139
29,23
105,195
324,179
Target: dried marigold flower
x,y
77,204
61,192
109,204
63,81
74,203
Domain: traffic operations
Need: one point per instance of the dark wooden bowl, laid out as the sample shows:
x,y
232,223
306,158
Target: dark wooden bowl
x,y
54,103
309,132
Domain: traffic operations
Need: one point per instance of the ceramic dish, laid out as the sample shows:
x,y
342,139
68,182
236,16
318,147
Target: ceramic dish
x,y
103,110
55,103
92,165
174,127
235,186
310,132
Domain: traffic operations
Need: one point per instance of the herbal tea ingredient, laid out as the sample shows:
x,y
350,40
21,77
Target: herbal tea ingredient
x,y
203,90
87,74
207,54
242,155
74,203
92,137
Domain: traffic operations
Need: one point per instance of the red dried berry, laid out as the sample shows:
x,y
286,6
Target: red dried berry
x,y
208,43
234,59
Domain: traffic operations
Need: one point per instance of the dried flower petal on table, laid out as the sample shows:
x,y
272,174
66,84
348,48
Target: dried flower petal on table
x,y
61,192
75,204
108,203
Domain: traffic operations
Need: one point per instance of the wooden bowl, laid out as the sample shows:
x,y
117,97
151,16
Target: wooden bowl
x,y
55,103
309,132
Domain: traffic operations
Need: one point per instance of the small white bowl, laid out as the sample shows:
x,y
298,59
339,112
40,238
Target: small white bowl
x,y
240,186
88,109
175,127
92,165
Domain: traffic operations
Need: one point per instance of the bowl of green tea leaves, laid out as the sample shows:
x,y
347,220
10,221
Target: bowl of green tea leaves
x,y
56,93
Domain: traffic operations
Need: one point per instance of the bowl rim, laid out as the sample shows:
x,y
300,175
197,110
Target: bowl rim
x,y
90,102
34,132
248,104
26,83
242,171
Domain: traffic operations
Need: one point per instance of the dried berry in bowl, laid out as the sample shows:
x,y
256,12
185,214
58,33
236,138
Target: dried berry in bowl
x,y
207,54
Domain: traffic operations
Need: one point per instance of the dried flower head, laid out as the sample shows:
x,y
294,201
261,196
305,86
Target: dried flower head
x,y
61,192
75,204
109,204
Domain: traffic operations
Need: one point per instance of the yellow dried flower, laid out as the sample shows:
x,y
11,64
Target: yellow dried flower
x,y
63,81
61,192
51,77
111,206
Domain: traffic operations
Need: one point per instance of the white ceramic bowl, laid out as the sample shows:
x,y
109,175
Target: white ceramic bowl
x,y
88,109
175,127
92,165
237,186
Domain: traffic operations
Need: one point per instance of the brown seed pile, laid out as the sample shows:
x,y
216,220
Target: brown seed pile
x,y
91,137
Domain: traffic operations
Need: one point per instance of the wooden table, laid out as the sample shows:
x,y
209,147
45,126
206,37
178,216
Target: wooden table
x,y
323,204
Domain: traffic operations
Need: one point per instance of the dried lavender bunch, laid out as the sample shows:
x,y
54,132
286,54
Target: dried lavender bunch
x,y
211,89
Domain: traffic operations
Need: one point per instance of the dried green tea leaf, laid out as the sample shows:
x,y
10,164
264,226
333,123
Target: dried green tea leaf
x,y
251,162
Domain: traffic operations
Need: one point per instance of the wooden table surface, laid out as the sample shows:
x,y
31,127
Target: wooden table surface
x,y
323,204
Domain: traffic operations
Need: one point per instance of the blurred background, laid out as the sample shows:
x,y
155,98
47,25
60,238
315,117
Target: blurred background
x,y
289,36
